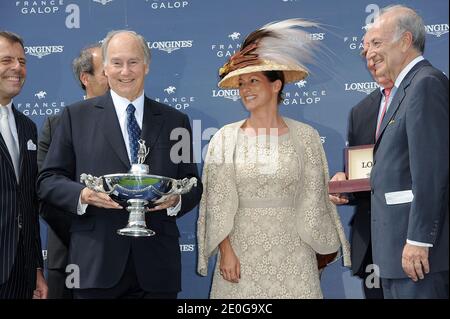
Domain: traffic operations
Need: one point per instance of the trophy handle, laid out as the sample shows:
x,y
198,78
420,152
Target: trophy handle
x,y
110,186
95,183
183,186
179,187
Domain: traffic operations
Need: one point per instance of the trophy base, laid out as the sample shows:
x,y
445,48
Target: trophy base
x,y
136,232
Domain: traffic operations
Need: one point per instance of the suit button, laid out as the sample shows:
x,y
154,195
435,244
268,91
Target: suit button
x,y
372,191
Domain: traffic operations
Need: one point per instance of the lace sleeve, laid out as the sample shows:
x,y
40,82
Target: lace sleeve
x,y
333,211
218,205
318,221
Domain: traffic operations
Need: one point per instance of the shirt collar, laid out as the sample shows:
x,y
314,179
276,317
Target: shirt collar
x,y
121,104
406,69
9,108
382,90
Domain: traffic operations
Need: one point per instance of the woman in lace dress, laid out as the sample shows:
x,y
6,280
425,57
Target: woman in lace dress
x,y
265,207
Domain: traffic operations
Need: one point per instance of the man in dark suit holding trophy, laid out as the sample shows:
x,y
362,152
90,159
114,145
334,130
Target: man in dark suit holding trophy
x,y
99,137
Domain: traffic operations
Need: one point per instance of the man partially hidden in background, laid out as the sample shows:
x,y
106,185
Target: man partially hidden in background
x,y
88,70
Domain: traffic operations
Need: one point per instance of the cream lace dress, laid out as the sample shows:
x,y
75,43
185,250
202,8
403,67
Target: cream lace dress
x,y
275,262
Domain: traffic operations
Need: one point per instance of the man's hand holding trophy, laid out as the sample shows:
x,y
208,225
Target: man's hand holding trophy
x,y
137,189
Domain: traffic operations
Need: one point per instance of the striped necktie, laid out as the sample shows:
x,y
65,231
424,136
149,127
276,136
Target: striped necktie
x,y
134,133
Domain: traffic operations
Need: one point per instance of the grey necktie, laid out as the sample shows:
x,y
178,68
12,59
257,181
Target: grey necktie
x,y
5,130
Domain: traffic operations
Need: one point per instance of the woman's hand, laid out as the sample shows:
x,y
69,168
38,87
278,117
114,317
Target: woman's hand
x,y
230,267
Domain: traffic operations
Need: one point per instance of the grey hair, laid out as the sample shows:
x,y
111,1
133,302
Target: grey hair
x,y
410,21
140,38
84,63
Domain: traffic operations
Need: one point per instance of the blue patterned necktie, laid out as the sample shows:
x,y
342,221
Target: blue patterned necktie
x,y
134,133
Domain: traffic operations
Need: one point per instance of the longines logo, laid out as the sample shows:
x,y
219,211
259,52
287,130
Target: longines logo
x,y
232,94
40,105
304,97
103,2
187,243
175,101
317,36
43,50
170,46
39,7
363,87
437,29
227,49
189,247
167,4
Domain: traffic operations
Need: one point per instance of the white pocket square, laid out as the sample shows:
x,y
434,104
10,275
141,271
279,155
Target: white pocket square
x,y
401,197
31,146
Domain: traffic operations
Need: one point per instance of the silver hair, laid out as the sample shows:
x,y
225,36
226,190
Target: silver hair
x,y
409,21
84,63
140,38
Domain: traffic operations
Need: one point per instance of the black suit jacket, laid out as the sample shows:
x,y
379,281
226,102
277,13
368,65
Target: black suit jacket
x,y
19,201
89,140
361,131
58,220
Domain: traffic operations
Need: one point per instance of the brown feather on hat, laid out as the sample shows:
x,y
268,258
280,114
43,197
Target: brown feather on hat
x,y
277,46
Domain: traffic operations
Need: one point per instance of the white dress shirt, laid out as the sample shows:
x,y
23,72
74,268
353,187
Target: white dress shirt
x,y
120,105
12,122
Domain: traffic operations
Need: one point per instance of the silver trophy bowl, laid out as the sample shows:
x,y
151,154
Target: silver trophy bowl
x,y
137,189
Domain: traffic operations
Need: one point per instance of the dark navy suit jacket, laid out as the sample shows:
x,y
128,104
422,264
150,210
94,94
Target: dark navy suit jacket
x,y
411,154
361,131
89,140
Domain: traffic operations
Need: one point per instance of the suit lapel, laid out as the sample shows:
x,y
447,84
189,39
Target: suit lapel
x,y
393,107
20,126
398,98
372,113
4,153
111,128
151,125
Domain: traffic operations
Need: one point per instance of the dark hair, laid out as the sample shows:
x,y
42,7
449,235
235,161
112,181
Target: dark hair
x,y
84,63
12,37
272,76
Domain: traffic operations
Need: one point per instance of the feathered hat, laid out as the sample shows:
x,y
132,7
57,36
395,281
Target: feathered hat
x,y
277,46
